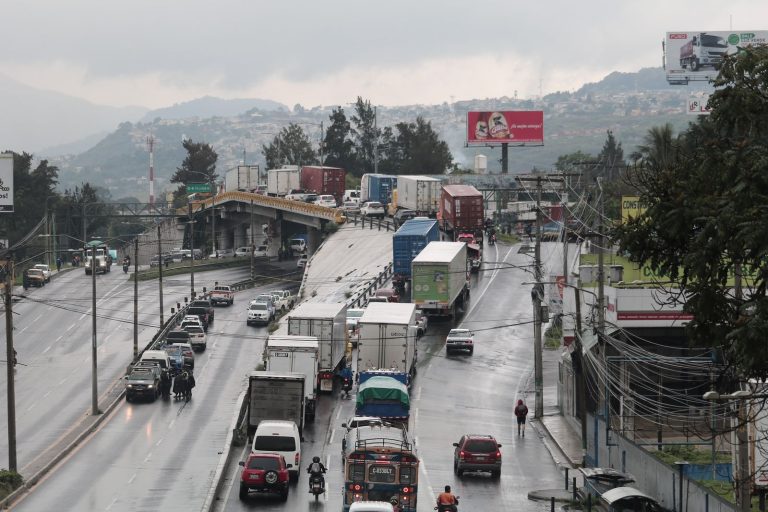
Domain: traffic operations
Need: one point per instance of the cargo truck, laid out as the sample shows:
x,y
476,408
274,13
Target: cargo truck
x,y
275,396
419,193
412,237
326,322
281,181
100,253
461,210
295,354
377,187
384,397
322,180
245,178
388,338
703,50
439,279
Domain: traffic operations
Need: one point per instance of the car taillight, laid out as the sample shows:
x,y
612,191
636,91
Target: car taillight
x,y
296,459
406,490
462,454
498,454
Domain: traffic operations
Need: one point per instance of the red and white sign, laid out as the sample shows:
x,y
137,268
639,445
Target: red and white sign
x,y
653,315
515,126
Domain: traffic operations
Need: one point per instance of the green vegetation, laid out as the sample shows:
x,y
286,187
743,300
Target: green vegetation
x,y
507,239
690,454
9,482
553,337
175,269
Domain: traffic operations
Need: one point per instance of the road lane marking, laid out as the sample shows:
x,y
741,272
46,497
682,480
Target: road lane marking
x,y
38,317
62,381
59,338
31,406
333,433
338,414
47,349
170,425
423,467
149,456
328,462
418,393
110,505
46,394
159,442
133,477
73,325
24,329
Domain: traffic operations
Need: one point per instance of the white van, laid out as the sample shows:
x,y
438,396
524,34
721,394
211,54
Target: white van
x,y
279,436
159,356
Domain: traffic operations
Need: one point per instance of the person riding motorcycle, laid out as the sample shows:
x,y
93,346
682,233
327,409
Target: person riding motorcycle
x,y
346,384
446,501
316,470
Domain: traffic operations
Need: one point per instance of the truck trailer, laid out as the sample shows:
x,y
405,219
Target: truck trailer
x,y
281,181
439,279
275,396
419,193
245,178
377,187
461,210
388,338
326,322
323,180
412,237
295,354
383,397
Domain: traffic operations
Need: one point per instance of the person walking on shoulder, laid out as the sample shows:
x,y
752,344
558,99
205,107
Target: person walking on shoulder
x,y
521,411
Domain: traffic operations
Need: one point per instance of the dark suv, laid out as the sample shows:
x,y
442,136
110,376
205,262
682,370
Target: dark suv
x,y
143,382
204,303
477,453
266,473
202,313
403,215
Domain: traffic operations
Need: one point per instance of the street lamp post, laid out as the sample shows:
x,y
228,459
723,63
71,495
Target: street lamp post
x,y
94,365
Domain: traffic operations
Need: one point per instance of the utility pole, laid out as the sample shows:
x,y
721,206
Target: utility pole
x,y
213,213
579,373
192,250
322,142
253,248
160,271
744,494
135,298
94,346
600,264
10,358
537,297
375,142
151,146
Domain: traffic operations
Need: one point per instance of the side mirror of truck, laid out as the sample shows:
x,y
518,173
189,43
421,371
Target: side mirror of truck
x,y
344,425
241,463
456,445
289,466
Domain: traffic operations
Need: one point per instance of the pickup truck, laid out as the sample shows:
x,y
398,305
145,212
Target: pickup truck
x,y
222,294
283,300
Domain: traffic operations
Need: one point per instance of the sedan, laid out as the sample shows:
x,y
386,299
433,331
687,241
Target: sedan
x,y
222,253
187,353
350,207
260,252
327,201
460,339
242,251
302,261
372,209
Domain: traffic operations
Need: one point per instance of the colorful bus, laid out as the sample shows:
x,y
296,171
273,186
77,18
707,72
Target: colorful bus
x,y
380,463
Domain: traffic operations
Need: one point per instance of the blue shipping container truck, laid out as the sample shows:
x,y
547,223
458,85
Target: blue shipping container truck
x,y
377,187
408,241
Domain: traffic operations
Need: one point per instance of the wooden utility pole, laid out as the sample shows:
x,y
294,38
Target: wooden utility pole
x,y
136,299
10,358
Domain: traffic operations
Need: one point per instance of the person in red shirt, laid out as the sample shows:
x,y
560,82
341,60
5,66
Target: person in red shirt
x,y
447,501
521,411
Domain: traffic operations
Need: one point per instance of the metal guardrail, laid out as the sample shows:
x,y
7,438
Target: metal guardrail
x,y
379,222
359,297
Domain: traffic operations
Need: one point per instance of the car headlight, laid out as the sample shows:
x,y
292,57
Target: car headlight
x,y
130,386
151,386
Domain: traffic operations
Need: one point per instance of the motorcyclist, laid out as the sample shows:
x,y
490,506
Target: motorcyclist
x,y
316,470
346,376
446,501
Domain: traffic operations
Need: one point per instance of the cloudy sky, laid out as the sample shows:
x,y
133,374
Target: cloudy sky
x,y
155,53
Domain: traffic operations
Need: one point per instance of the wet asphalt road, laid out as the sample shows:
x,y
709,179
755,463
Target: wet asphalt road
x,y
452,395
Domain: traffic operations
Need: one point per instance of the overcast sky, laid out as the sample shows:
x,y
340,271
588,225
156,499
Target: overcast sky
x,y
155,53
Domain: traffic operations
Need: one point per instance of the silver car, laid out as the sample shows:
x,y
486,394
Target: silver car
x,y
460,339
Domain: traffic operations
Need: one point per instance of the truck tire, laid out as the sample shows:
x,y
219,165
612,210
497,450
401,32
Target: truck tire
x,y
695,64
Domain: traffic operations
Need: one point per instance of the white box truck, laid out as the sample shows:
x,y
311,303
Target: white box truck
x,y
244,179
387,338
281,181
439,278
326,322
418,193
296,354
275,396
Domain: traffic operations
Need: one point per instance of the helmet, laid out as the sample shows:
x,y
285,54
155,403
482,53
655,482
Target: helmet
x,y
315,459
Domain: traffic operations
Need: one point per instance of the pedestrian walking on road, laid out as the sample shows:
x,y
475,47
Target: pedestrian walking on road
x,y
521,411
165,384
25,280
58,264
190,383
179,386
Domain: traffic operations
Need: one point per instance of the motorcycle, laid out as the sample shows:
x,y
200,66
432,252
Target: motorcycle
x,y
492,240
125,267
448,508
346,388
317,485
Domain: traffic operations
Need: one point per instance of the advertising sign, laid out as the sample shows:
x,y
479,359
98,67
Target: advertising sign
x,y
516,127
631,207
698,105
6,183
697,55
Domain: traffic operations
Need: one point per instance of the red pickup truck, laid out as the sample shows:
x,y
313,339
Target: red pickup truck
x,y
222,294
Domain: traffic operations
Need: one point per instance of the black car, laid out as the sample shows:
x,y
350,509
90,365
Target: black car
x,y
202,313
204,303
403,215
143,382
177,337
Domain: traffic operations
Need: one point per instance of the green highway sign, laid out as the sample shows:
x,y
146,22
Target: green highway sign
x,y
198,188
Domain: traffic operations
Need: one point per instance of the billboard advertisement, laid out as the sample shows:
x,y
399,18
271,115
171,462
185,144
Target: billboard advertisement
x,y
6,183
631,208
510,126
698,104
696,56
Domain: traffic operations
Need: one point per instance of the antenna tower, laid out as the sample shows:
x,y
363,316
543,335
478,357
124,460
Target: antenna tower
x,y
151,146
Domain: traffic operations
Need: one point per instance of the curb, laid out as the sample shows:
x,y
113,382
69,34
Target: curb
x,y
224,460
557,453
54,461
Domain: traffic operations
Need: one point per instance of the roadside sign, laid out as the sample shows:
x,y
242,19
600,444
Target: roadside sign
x,y
198,188
698,105
6,183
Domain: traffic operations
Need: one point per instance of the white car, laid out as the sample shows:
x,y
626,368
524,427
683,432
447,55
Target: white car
x,y
421,323
222,253
460,339
372,209
282,437
242,251
326,200
279,300
191,321
258,313
46,270
302,261
197,337
260,252
353,317
350,207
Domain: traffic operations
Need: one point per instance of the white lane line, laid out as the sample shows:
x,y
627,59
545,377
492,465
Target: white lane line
x,y
424,474
31,406
24,329
46,394
333,434
170,425
133,477
59,338
84,315
110,505
159,442
38,317
47,349
73,325
62,381
418,393
149,456
338,414
328,462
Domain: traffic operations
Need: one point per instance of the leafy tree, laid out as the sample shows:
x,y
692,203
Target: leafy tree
x,y
291,146
199,166
338,146
365,134
706,193
32,188
416,149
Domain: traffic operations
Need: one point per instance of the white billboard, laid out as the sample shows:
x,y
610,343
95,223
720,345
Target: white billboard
x,y
6,182
698,104
696,56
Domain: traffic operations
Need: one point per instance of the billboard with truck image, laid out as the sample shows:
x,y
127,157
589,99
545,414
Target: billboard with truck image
x,y
697,56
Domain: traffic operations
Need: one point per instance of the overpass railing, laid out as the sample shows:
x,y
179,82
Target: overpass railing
x,y
278,203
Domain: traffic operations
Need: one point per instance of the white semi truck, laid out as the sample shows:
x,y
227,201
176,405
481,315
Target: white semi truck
x,y
388,338
296,354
